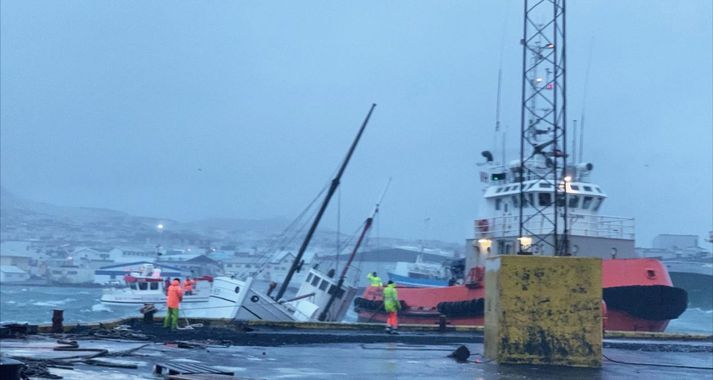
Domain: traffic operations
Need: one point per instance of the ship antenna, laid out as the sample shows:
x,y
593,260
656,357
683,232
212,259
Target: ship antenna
x,y
574,140
498,98
584,102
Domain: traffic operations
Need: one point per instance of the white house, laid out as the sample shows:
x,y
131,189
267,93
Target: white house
x,y
11,273
70,274
18,253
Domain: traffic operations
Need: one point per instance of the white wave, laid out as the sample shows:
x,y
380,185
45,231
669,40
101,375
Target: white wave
x,y
699,310
54,303
101,307
48,303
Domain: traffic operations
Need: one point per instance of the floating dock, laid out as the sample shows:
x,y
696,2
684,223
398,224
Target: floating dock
x,y
131,349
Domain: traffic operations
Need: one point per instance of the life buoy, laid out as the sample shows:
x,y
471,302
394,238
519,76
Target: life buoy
x,y
483,225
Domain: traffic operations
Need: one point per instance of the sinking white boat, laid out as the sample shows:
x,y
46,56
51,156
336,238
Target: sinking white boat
x,y
321,297
232,298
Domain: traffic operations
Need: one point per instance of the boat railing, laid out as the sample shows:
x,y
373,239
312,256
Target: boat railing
x,y
613,227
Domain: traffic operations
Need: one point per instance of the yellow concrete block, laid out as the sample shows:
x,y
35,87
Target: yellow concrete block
x,y
544,310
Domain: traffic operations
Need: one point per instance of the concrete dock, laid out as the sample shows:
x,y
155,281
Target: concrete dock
x,y
129,349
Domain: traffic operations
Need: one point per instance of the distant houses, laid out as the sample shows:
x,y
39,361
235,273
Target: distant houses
x,y
22,261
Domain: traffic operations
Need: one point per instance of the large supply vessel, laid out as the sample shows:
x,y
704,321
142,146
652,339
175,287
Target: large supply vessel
x,y
544,203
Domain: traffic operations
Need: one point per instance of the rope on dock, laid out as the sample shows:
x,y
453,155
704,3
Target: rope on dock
x,y
656,364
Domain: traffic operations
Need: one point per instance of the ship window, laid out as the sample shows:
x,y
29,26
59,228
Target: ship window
x,y
143,286
586,202
309,277
154,286
132,285
498,201
587,188
501,247
515,201
315,281
597,203
323,285
545,199
598,189
531,185
500,189
574,187
573,201
544,185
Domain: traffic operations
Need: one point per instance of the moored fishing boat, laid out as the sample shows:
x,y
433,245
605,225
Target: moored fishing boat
x,y
148,286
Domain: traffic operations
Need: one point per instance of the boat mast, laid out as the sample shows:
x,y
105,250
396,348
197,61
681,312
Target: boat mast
x,y
543,143
332,188
367,225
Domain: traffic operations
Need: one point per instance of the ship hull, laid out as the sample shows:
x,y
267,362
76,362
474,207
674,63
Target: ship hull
x,y
623,281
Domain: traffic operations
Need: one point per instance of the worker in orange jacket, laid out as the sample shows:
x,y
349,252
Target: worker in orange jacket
x,y
174,296
188,286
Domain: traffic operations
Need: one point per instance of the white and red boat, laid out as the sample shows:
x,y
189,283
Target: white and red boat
x,y
148,286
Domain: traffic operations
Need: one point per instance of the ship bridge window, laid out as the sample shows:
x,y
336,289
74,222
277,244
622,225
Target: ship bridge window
x,y
587,202
544,185
573,201
587,188
315,280
531,185
498,201
143,286
597,203
544,199
515,201
154,286
309,277
598,189
323,285
132,285
574,187
500,189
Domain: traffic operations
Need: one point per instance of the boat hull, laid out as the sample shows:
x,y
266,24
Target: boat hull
x,y
622,279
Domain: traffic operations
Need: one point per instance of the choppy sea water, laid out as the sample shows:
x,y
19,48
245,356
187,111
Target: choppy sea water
x,y
34,304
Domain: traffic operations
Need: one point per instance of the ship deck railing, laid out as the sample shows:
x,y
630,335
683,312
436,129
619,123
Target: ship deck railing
x,y
599,226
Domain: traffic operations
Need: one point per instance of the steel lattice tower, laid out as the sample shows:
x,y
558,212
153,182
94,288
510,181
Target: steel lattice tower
x,y
543,151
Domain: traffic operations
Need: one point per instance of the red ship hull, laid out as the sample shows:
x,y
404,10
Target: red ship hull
x,y
638,293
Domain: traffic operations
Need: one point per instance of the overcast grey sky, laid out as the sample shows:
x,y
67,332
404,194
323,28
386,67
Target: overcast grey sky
x,y
244,109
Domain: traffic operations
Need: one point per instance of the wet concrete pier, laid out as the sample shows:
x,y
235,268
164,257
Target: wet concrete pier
x,y
130,350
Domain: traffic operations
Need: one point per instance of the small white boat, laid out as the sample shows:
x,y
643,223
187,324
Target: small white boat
x,y
149,287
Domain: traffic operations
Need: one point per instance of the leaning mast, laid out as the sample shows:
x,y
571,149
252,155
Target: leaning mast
x,y
297,263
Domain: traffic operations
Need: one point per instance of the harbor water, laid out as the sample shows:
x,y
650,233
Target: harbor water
x,y
34,304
